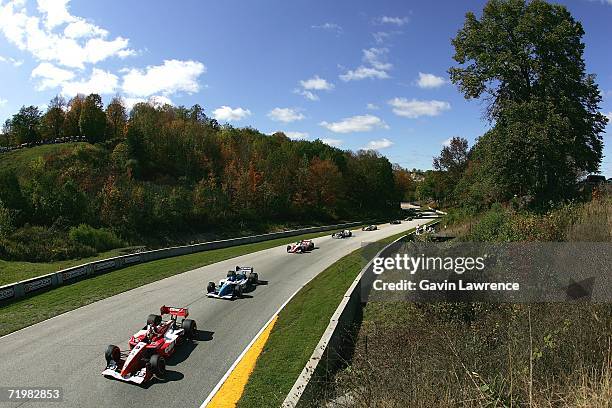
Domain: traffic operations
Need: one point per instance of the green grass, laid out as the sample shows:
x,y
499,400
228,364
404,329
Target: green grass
x,y
298,330
20,160
62,299
15,271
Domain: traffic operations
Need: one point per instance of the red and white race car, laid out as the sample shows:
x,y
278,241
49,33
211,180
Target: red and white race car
x,y
302,246
150,347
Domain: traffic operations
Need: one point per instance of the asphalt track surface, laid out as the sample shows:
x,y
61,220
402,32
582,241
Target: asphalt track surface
x,y
68,351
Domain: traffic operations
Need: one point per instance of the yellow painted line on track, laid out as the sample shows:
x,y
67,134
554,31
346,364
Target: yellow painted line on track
x,y
233,387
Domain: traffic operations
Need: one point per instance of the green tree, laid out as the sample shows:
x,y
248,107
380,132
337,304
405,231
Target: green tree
x,y
526,60
53,119
25,125
93,120
116,119
71,119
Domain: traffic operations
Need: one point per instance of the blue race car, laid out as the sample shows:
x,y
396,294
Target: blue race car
x,y
238,281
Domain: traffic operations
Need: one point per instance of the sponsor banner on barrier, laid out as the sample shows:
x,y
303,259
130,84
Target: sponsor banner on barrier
x,y
104,265
73,273
7,293
131,259
37,284
517,272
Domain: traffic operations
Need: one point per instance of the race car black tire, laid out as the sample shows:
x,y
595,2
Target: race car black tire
x,y
230,273
112,353
154,319
190,328
158,365
288,248
211,287
238,291
253,278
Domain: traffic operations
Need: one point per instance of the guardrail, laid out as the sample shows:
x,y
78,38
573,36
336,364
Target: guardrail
x,y
24,288
329,348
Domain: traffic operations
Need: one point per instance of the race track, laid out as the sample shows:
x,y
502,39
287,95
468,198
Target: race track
x,y
68,351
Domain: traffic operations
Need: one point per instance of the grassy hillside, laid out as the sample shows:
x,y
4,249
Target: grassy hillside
x,y
21,160
485,354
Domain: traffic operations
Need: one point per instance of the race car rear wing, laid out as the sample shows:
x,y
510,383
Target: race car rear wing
x,y
174,311
245,269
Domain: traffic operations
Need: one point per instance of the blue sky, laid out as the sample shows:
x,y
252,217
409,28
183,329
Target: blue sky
x,y
356,74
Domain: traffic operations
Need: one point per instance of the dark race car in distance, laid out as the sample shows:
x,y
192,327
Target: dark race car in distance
x,y
369,228
302,246
342,234
242,279
150,347
396,222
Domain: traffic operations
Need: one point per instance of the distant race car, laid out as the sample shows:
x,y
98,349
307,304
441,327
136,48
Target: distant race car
x,y
369,228
302,246
409,219
242,279
396,222
150,347
342,234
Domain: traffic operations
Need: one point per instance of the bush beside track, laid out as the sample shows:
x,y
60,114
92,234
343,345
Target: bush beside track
x,y
62,299
298,331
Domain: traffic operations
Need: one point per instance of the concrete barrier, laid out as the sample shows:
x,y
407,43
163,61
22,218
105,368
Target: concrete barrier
x,y
17,290
329,349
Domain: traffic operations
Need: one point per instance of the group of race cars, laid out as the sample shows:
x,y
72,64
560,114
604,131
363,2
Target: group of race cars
x,y
157,340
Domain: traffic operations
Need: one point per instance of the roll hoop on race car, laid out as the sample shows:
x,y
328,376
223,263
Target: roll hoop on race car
x,y
342,234
150,347
238,281
302,246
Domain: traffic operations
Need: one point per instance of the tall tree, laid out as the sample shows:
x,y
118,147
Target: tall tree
x,y
453,157
116,119
71,119
25,125
526,60
93,120
53,119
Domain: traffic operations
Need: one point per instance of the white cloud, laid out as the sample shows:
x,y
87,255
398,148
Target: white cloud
x,y
296,135
398,21
360,123
415,108
56,12
155,100
171,77
378,144
329,27
375,57
609,115
316,83
228,114
430,81
82,43
286,115
50,76
363,73
332,142
380,36
3,102
376,67
12,61
81,28
100,82
311,96
447,142
372,106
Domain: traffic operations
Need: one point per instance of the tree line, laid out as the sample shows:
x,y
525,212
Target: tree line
x,y
161,170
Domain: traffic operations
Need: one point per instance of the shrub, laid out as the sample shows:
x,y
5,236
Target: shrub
x,y
41,244
99,239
